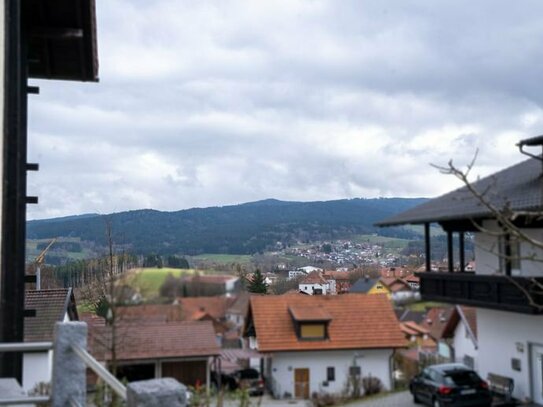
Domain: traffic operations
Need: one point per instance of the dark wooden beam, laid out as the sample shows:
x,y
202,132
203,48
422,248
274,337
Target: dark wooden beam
x,y
55,33
461,251
507,249
12,246
450,254
427,247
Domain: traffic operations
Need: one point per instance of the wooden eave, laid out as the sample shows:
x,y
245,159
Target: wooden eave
x,y
61,39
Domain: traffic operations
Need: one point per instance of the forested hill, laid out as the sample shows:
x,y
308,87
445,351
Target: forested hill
x,y
238,229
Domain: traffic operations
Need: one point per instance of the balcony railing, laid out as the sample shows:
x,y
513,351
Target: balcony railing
x,y
516,294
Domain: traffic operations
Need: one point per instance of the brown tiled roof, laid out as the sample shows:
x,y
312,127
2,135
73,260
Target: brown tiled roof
x,y
194,307
336,275
439,322
358,321
419,328
314,277
301,313
150,312
158,340
394,284
407,330
240,304
51,306
470,315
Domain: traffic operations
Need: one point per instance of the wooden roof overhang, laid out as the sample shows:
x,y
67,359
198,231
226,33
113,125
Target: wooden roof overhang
x,y
61,38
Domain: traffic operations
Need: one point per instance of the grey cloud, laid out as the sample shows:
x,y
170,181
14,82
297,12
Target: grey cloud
x,y
212,103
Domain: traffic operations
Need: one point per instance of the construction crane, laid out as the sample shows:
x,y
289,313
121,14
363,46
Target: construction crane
x,y
38,261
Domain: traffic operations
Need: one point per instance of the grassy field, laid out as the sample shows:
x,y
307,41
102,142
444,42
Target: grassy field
x,y
148,280
32,250
434,230
224,258
390,242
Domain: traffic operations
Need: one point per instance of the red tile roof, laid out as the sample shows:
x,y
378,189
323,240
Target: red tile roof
x,y
315,277
440,322
336,275
419,328
151,312
194,307
412,278
154,340
471,318
358,321
301,313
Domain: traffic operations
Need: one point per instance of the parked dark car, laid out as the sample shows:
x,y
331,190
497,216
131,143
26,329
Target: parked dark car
x,y
251,380
450,384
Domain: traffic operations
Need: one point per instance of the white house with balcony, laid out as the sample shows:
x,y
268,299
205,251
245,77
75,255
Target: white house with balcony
x,y
506,286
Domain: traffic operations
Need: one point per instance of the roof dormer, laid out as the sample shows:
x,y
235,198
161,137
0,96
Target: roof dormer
x,y
311,323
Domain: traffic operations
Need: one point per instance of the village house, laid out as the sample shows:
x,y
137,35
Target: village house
x,y
226,313
341,279
502,218
363,285
211,284
317,344
315,284
151,350
49,306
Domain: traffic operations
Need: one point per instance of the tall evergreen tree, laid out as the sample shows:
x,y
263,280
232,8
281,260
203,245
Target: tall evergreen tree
x,y
257,284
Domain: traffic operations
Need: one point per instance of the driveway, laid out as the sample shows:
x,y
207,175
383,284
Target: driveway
x,y
402,399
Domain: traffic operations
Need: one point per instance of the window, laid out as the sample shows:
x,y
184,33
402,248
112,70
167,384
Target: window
x,y
312,331
330,374
509,255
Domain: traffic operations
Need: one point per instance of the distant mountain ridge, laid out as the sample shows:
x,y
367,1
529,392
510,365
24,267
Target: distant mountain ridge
x,y
237,229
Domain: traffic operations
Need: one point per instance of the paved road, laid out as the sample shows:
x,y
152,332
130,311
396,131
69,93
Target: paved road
x,y
402,399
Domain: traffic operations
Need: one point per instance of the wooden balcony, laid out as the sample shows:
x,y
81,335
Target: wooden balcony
x,y
485,291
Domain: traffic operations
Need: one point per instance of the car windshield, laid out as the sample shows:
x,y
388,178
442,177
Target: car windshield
x,y
461,378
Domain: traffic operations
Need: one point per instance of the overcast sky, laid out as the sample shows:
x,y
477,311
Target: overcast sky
x,y
205,103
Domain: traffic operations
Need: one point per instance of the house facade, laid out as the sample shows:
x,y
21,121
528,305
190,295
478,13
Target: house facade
x,y
320,344
182,350
50,306
315,284
505,286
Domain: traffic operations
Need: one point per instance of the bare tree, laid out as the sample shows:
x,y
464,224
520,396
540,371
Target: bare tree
x,y
103,294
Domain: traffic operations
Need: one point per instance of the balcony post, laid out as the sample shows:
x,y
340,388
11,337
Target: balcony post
x,y
427,247
450,257
69,371
461,250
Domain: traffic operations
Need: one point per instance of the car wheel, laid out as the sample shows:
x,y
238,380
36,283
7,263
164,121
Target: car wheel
x,y
415,397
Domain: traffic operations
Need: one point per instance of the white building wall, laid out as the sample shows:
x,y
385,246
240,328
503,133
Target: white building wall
x,y
372,362
487,252
503,336
37,368
463,345
310,288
